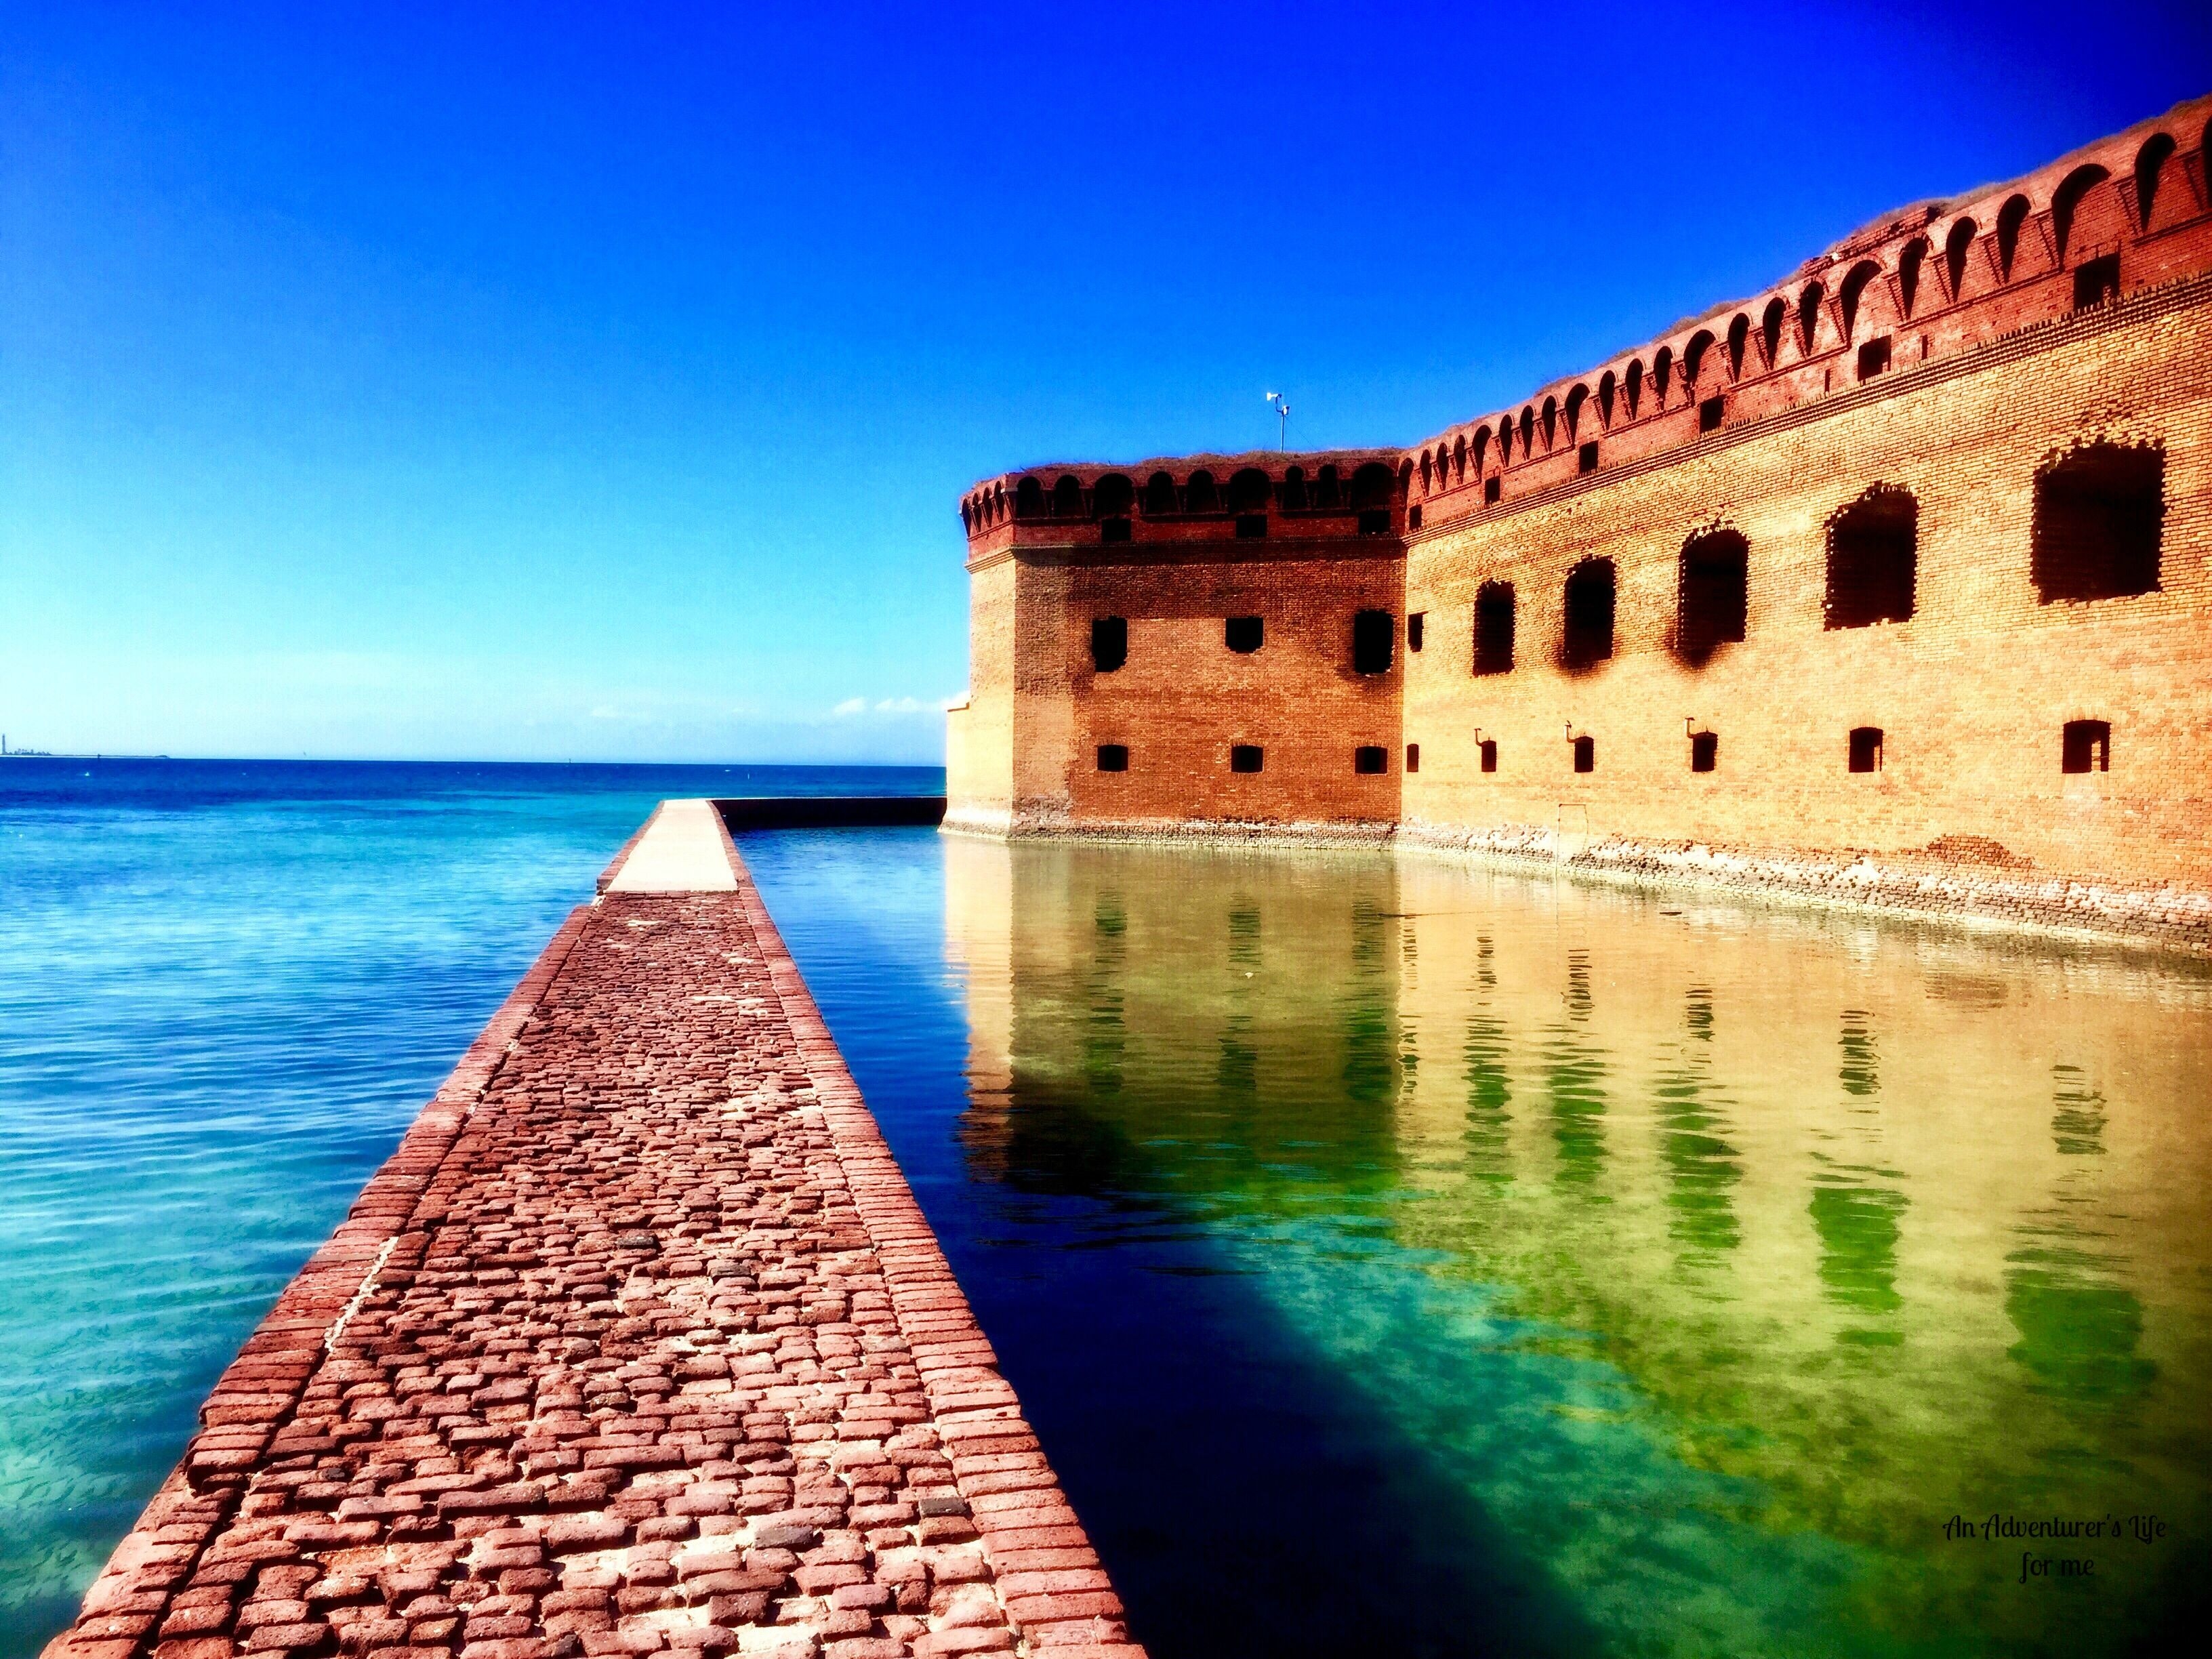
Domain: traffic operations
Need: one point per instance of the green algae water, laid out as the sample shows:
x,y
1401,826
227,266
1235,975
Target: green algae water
x,y
1393,1258
1729,1281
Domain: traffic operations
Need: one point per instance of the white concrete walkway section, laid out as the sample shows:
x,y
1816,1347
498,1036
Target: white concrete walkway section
x,y
680,852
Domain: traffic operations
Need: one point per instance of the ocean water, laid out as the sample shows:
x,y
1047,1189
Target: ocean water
x,y
1395,1258
226,989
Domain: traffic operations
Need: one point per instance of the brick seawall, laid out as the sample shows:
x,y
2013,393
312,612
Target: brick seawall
x,y
638,1343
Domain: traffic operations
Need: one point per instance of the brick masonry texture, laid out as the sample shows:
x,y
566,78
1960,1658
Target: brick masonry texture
x,y
638,1343
1948,353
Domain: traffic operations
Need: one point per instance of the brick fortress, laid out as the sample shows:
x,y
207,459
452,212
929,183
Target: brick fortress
x,y
1888,584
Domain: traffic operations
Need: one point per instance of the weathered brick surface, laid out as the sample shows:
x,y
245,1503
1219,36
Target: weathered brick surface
x,y
638,1343
2069,307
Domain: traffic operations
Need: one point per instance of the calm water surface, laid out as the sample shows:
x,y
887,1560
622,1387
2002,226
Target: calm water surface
x,y
1396,1258
1400,1258
226,989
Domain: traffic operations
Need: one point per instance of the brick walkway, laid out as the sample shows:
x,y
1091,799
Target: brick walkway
x,y
639,1342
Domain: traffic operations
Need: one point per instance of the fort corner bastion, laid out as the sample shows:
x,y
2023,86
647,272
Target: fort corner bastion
x,y
1886,585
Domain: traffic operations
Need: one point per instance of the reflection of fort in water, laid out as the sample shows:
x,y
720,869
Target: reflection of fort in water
x,y
1888,1219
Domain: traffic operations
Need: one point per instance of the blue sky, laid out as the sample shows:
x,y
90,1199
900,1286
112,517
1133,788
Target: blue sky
x,y
599,382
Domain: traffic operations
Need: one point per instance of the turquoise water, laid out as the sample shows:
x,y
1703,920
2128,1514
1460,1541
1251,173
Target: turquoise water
x,y
1393,1258
225,990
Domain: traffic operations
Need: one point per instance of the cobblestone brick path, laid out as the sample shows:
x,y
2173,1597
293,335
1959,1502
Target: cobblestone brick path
x,y
638,1343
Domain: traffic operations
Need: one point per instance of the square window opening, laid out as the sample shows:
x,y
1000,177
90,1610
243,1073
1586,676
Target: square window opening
x,y
1413,627
1245,757
1113,757
1709,413
1491,487
1251,526
1866,749
1413,758
1114,530
1585,754
1414,517
1704,752
2097,280
2099,518
1374,521
1586,457
1874,358
1369,759
1489,747
2086,746
1244,634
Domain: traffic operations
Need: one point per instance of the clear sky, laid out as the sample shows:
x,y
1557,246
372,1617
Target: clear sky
x,y
599,382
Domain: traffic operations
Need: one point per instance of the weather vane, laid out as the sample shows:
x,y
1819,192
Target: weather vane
x,y
1282,407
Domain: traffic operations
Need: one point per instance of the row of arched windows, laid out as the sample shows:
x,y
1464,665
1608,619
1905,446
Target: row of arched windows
x,y
2099,514
1115,496
1812,322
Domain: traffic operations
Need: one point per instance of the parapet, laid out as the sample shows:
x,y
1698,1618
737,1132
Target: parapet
x,y
2124,214
1337,495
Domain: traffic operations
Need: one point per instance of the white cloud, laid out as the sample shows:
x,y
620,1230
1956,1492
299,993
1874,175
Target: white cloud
x,y
893,706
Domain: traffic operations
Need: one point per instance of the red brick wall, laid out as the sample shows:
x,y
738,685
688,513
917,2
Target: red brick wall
x,y
1994,364
1970,694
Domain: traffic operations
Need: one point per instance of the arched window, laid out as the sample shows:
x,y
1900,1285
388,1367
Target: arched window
x,y
1587,637
1112,496
1909,261
1504,443
2010,218
1294,489
1370,486
967,517
1029,499
1662,375
1770,330
1159,495
2150,163
1067,498
1482,447
1328,493
1606,385
998,503
1527,432
1956,246
1808,317
1199,495
1424,472
1693,360
1459,458
1635,385
2066,202
1712,593
1551,422
1250,491
1853,291
1405,478
1576,399
1874,559
1739,337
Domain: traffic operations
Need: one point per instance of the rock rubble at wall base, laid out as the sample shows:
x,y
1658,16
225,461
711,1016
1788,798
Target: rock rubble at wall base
x,y
1915,886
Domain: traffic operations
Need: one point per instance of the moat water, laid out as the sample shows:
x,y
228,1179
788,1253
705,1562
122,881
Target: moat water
x,y
1395,1258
